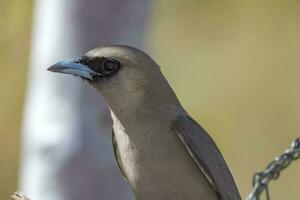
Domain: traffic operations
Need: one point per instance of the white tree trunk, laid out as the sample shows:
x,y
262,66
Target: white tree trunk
x,y
67,152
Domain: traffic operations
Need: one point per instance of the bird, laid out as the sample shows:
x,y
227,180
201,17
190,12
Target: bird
x,y
161,151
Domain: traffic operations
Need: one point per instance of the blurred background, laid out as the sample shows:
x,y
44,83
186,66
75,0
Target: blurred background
x,y
233,64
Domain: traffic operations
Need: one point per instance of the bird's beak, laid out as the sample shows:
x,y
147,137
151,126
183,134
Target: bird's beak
x,y
73,66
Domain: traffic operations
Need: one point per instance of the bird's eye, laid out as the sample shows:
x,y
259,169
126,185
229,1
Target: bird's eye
x,y
110,65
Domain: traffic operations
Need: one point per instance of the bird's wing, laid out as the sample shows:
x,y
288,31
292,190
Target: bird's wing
x,y
117,154
207,156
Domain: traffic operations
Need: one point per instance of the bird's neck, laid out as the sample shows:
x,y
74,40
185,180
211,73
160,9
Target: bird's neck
x,y
149,109
149,104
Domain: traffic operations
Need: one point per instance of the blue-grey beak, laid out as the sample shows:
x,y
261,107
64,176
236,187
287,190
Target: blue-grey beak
x,y
73,66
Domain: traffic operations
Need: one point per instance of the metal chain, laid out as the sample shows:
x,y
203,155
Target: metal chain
x,y
272,172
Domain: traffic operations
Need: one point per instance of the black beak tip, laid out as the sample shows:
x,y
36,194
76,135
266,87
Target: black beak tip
x,y
51,69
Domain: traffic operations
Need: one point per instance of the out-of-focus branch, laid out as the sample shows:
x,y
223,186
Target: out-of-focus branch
x,y
19,196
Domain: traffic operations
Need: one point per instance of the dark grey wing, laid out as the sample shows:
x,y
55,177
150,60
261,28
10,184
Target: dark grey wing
x,y
117,154
208,157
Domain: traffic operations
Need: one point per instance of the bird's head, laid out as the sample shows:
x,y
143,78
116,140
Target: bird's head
x,y
123,75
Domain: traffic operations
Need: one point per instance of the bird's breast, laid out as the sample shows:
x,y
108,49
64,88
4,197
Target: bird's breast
x,y
127,151
157,165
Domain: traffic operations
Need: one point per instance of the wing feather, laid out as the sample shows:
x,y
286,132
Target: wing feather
x,y
208,157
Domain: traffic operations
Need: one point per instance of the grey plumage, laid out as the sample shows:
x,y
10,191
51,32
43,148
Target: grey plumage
x,y
207,155
161,151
